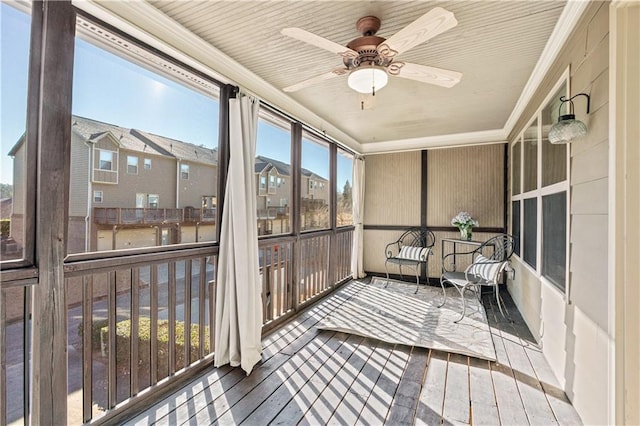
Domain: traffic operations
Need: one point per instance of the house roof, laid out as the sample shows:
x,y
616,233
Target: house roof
x,y
141,141
283,169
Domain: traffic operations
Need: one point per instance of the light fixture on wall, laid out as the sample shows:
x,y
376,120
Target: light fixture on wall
x,y
568,129
368,79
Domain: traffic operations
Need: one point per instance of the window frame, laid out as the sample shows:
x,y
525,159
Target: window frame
x,y
147,164
539,192
129,157
95,198
184,173
100,160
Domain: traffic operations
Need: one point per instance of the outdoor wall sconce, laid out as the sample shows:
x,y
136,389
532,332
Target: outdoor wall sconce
x,y
567,129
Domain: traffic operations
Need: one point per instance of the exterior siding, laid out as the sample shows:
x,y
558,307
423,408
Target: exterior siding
x,y
203,180
574,335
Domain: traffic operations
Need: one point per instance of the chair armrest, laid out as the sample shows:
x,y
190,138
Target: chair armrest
x,y
388,249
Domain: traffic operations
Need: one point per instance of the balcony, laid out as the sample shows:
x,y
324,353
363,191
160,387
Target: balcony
x,y
150,216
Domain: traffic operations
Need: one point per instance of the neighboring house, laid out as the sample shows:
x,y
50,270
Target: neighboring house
x,y
119,196
273,185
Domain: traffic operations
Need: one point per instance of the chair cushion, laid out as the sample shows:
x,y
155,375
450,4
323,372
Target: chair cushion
x,y
484,268
413,253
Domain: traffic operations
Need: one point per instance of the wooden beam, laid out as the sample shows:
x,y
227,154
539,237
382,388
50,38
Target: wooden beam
x,y
55,21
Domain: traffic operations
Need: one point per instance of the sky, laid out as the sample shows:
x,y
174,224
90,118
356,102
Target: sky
x,y
113,90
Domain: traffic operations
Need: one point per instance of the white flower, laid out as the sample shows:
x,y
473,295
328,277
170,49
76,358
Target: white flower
x,y
464,220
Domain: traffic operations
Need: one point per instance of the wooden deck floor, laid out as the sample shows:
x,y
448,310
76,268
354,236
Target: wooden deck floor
x,y
315,377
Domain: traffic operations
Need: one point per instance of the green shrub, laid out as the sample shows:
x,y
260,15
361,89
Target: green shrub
x,y
5,227
123,343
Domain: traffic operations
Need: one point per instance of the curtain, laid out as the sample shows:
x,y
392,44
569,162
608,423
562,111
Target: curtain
x,y
357,265
238,326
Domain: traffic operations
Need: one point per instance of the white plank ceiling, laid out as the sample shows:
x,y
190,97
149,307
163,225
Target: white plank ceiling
x,y
495,45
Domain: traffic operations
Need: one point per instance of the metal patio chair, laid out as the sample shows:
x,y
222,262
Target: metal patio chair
x,y
411,250
488,263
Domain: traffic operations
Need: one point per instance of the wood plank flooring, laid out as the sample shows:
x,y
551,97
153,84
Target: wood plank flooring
x,y
312,377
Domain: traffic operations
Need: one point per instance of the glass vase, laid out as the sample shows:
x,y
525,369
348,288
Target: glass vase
x,y
465,233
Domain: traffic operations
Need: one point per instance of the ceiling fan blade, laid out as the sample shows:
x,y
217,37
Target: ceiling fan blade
x,y
316,40
317,79
425,74
429,25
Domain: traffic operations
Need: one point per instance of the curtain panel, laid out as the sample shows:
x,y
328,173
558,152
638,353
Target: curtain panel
x,y
238,327
357,263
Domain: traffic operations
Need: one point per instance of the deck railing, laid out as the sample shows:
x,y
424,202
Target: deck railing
x,y
137,323
150,216
15,337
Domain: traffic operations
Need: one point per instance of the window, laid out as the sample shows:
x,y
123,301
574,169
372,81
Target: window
x,y
106,160
97,196
153,201
530,162
344,198
515,225
272,184
160,102
16,215
539,218
132,164
314,208
184,171
273,159
554,238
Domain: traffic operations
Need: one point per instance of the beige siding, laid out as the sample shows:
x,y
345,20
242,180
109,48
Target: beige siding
x,y
392,189
19,180
160,180
467,179
203,180
574,336
79,181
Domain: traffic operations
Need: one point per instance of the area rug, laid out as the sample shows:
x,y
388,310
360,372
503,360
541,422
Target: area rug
x,y
396,315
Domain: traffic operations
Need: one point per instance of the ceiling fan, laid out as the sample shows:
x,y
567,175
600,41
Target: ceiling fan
x,y
370,59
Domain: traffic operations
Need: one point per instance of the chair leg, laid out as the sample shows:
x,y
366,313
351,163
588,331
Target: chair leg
x,y
386,269
444,293
417,279
497,290
464,302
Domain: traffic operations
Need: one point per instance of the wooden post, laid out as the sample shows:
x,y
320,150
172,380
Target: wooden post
x,y
296,174
56,21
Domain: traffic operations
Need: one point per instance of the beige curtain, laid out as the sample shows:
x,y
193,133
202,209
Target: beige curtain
x,y
357,265
238,326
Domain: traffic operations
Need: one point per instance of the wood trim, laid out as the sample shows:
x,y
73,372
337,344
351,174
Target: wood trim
x,y
424,180
55,34
226,93
431,228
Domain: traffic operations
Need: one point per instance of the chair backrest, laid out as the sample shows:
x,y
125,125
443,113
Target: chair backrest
x,y
498,248
417,237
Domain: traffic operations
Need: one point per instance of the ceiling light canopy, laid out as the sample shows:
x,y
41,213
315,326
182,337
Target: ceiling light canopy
x,y
368,79
568,129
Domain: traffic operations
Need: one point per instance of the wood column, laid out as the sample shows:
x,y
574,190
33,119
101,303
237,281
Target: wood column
x,y
53,36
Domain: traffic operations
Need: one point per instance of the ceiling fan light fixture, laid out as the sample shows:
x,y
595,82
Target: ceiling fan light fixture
x,y
368,79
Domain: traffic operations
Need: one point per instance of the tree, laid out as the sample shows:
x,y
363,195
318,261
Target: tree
x,y
347,197
6,190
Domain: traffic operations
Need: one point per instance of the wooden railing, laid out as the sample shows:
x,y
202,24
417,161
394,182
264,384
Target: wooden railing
x,y
15,337
148,216
136,323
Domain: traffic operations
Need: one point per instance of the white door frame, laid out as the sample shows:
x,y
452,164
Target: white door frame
x,y
624,210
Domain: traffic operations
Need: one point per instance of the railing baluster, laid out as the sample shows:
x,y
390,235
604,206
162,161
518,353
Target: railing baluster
x,y
111,315
153,295
187,312
3,358
87,350
171,347
212,313
135,329
201,307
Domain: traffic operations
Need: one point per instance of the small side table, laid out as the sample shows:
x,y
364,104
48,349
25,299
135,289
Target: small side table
x,y
455,242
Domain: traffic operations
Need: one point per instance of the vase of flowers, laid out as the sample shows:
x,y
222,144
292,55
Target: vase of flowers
x,y
465,223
